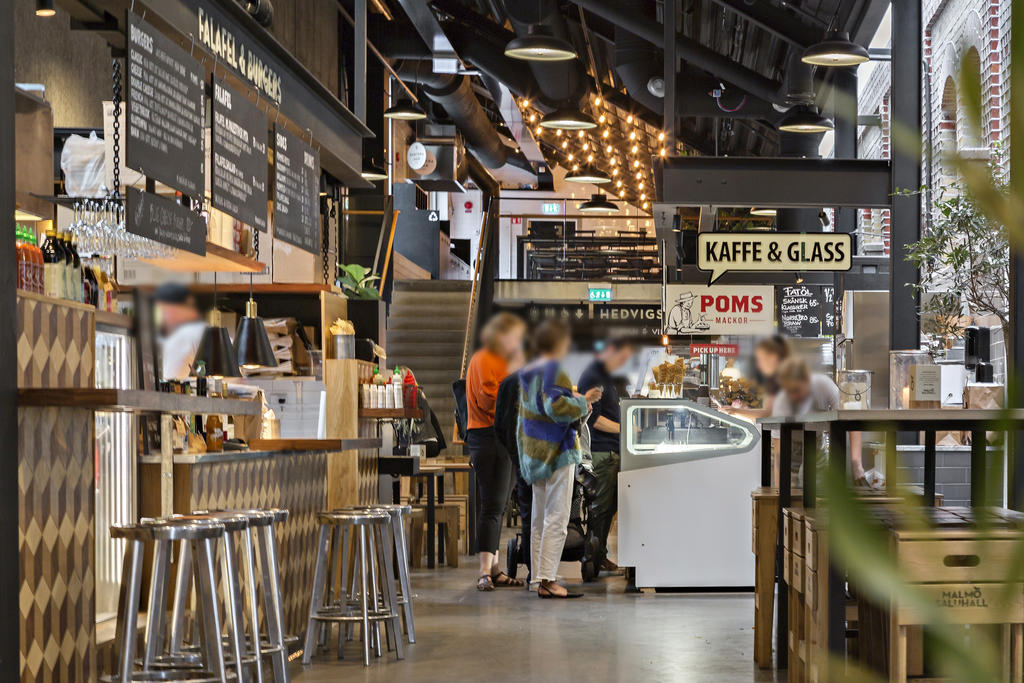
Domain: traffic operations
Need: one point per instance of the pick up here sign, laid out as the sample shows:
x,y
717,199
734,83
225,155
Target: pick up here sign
x,y
721,252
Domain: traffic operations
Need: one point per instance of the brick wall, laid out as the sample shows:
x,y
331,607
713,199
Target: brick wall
x,y
952,471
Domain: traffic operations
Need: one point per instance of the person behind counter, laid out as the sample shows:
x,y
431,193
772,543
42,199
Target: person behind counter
x,y
549,450
180,329
803,392
769,353
501,353
604,440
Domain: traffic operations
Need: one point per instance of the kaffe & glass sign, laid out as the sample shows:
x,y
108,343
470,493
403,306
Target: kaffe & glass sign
x,y
721,309
721,252
238,181
166,88
296,191
165,221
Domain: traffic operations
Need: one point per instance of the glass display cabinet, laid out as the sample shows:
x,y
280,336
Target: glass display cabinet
x,y
658,432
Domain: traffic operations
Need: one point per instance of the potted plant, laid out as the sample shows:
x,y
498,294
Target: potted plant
x,y
366,310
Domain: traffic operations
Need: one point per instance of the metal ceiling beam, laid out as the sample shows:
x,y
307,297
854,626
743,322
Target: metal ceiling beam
x,y
773,182
670,121
780,24
687,49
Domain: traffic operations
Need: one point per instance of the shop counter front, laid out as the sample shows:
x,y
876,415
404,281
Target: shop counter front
x,y
684,490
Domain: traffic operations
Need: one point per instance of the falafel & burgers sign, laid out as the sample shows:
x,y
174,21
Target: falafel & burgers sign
x,y
720,309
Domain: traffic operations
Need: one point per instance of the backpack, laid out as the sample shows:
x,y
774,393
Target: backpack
x,y
461,410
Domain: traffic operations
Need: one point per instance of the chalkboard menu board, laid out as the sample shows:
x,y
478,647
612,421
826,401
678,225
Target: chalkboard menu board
x,y
165,221
239,168
296,191
165,138
799,312
828,310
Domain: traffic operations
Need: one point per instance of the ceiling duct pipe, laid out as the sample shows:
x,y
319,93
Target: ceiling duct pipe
x,y
642,24
455,94
563,83
639,64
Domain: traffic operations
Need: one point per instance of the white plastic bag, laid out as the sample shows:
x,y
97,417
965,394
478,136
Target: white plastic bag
x,y
82,161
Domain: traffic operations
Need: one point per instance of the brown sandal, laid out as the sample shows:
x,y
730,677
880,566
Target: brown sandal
x,y
503,580
484,583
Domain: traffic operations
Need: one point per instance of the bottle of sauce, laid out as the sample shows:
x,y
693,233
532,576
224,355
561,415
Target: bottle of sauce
x,y
36,265
53,265
214,434
21,249
71,291
78,284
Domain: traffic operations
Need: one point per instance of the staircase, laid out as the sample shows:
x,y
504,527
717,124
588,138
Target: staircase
x,y
426,328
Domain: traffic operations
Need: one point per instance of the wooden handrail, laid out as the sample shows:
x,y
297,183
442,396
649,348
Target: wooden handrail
x,y
387,254
473,292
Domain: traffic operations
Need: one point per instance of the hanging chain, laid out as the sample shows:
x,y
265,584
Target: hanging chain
x,y
256,243
116,101
337,232
326,244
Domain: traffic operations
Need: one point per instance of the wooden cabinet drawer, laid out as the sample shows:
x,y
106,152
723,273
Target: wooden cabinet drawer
x,y
956,560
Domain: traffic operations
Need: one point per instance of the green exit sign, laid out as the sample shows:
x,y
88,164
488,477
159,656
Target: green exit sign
x,y
600,293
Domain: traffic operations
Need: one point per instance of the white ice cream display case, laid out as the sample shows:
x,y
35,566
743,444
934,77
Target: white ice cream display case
x,y
684,494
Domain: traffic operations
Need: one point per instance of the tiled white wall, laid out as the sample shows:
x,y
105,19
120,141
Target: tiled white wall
x,y
295,401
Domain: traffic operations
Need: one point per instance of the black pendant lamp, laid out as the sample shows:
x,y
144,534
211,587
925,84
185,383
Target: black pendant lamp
x,y
252,345
805,118
540,46
45,8
763,211
373,171
598,203
587,175
215,349
568,119
836,50
405,110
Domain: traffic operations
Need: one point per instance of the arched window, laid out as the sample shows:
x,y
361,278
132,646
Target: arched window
x,y
947,120
970,137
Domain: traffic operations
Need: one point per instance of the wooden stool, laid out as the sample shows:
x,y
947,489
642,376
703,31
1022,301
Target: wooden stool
x,y
446,515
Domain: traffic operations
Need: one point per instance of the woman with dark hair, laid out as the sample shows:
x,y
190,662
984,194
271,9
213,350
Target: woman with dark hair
x,y
549,450
769,353
500,354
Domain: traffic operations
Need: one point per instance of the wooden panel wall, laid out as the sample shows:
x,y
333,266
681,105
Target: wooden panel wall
x,y
309,29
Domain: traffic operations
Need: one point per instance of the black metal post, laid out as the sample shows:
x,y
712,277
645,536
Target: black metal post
x,y
929,467
979,469
836,575
905,215
359,61
766,458
671,61
9,570
1015,344
810,468
785,499
892,462
845,98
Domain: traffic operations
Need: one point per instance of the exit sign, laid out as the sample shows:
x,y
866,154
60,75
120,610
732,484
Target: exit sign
x,y
600,293
550,208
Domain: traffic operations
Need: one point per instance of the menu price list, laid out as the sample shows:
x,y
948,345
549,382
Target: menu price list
x,y
296,191
165,104
239,147
165,221
806,310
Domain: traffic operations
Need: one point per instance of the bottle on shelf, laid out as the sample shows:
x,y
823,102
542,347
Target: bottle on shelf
x,y
21,252
70,290
53,265
396,388
36,259
78,284
94,285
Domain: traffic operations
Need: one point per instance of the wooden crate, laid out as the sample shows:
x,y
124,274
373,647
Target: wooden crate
x,y
794,550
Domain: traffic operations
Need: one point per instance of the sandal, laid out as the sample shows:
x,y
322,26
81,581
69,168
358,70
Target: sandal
x,y
484,583
545,593
503,580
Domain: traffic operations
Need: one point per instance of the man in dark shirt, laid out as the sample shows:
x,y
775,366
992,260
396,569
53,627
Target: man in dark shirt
x,y
604,438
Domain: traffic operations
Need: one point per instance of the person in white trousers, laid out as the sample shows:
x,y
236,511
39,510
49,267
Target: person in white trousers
x,y
549,449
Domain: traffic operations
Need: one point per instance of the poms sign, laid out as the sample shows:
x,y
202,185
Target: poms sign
x,y
722,309
720,252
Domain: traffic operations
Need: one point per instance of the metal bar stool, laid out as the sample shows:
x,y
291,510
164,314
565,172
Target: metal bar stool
x,y
242,643
398,513
375,601
201,539
274,645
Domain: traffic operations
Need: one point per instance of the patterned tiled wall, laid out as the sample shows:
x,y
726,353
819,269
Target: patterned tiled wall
x,y
296,482
56,347
56,499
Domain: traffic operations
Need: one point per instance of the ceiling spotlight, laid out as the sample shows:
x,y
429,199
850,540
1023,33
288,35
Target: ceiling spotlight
x,y
405,110
539,46
805,118
568,119
587,175
45,8
598,203
762,211
836,50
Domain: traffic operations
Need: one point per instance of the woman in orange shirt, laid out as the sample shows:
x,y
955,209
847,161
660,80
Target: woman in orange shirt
x,y
501,354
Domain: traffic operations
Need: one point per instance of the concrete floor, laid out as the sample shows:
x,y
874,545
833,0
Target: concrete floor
x,y
606,635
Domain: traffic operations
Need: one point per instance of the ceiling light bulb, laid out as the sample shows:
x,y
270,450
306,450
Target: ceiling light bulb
x,y
639,175
643,196
539,130
661,136
613,161
586,146
618,183
579,134
590,158
640,186
601,118
570,156
526,102
636,163
645,205
558,131
575,167
629,119
663,151
635,149
608,149
604,134
615,171
565,143
533,117
597,100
